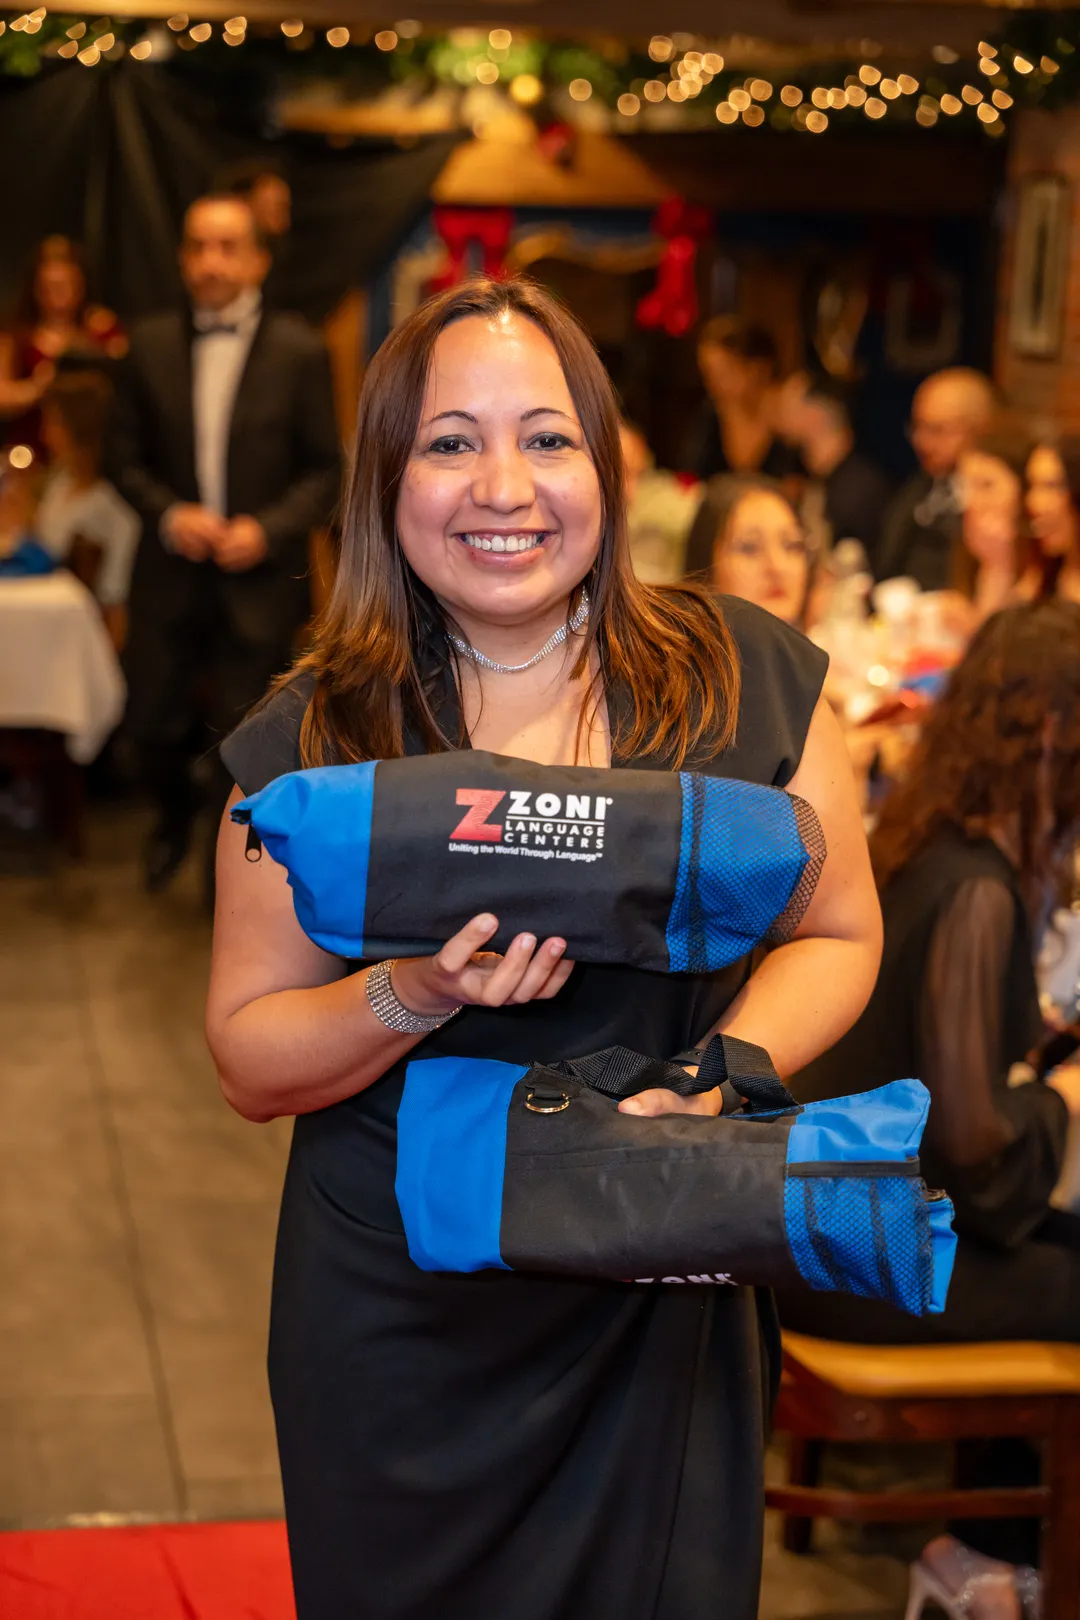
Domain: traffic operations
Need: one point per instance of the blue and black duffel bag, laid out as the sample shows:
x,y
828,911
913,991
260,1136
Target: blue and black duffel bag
x,y
651,869
533,1168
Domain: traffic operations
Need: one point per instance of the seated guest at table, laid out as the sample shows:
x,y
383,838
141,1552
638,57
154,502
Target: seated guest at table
x,y
846,494
747,541
21,554
950,410
660,508
740,368
971,853
81,519
1050,565
54,324
987,552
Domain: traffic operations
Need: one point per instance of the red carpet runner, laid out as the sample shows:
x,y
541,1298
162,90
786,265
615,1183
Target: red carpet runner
x,y
147,1572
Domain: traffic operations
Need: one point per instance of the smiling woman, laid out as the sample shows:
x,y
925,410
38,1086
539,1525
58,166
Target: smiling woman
x,y
469,1447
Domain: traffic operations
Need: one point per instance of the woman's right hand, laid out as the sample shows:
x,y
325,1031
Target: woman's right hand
x,y
463,973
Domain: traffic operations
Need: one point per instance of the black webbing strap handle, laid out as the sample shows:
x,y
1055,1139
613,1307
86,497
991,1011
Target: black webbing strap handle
x,y
744,1072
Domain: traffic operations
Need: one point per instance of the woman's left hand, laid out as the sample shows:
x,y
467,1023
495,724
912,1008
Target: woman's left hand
x,y
652,1104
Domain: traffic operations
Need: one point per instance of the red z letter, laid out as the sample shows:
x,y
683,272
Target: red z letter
x,y
474,823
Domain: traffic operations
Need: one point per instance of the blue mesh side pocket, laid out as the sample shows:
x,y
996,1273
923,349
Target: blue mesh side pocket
x,y
859,1217
870,1234
749,861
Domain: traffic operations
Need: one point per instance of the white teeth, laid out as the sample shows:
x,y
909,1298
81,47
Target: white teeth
x,y
503,542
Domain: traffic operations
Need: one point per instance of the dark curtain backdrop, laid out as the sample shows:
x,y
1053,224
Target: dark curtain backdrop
x,y
113,155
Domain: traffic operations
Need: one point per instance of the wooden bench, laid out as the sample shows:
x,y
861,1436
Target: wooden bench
x,y
834,1391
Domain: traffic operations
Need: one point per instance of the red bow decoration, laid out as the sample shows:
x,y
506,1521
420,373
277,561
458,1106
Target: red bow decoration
x,y
557,143
673,302
459,228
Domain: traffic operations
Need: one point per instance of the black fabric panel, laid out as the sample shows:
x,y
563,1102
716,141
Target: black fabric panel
x,y
621,865
112,157
267,744
590,1192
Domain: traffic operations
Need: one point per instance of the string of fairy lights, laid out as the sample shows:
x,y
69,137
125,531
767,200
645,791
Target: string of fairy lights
x,y
676,80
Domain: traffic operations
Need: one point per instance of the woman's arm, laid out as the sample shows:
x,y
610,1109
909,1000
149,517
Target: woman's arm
x,y
806,994
291,1031
18,394
999,1149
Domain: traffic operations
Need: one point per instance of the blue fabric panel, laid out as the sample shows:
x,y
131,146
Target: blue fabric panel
x,y
740,857
317,824
451,1160
678,929
943,1245
886,1123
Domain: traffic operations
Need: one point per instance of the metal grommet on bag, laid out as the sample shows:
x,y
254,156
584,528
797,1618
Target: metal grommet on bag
x,y
546,1102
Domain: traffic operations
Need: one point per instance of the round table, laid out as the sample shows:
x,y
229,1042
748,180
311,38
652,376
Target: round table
x,y
58,669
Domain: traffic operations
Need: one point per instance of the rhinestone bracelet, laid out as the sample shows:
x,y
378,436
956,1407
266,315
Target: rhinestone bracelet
x,y
392,1012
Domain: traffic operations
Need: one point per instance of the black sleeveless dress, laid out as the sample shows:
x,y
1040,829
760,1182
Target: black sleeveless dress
x,y
498,1445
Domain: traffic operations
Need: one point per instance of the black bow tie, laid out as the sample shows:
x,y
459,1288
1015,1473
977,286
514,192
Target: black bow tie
x,y
217,326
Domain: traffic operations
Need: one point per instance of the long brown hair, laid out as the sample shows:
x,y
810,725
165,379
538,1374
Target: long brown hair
x,y
1000,752
380,646
26,314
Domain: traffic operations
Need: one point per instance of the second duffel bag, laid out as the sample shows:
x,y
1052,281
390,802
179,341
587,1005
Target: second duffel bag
x,y
533,1168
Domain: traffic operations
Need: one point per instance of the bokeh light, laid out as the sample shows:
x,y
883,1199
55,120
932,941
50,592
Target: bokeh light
x,y
526,89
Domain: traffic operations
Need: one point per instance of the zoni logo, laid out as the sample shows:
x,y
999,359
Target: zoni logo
x,y
474,824
578,818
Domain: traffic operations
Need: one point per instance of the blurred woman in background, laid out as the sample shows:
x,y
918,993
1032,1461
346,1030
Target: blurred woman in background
x,y
971,853
740,367
1051,563
53,324
82,520
993,531
747,541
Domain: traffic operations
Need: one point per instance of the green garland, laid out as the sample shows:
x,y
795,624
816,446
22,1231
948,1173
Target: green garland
x,y
1036,62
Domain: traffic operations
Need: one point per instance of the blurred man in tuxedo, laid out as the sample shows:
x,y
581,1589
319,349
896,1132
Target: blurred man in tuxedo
x,y
225,444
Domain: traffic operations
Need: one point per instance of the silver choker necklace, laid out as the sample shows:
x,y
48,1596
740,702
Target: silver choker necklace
x,y
553,641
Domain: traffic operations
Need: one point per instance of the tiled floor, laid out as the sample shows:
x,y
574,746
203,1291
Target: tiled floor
x,y
136,1229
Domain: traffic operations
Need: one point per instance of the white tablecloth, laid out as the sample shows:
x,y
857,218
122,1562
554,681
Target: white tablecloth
x,y
58,669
